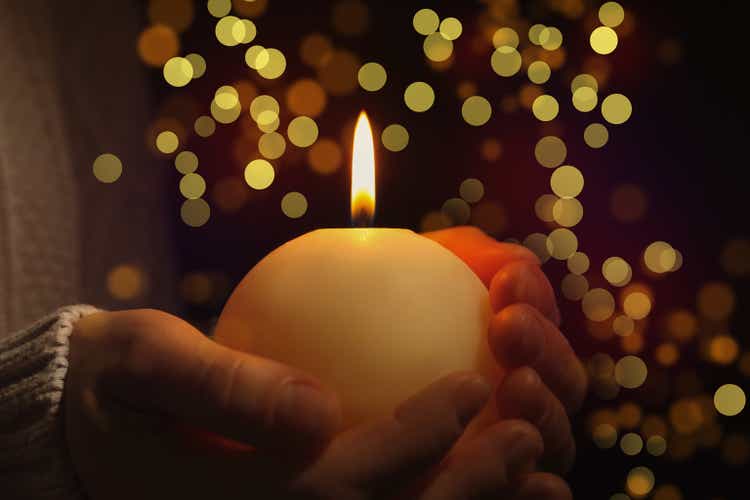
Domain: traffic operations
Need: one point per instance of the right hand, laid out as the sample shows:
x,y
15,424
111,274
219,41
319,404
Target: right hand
x,y
154,409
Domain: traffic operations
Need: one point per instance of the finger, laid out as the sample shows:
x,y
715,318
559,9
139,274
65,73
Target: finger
x,y
519,335
543,486
384,454
483,254
524,282
166,366
489,466
522,394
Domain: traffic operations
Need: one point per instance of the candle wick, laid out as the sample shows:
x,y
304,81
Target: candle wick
x,y
362,218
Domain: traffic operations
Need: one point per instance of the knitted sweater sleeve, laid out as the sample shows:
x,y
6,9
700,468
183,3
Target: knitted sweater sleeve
x,y
34,461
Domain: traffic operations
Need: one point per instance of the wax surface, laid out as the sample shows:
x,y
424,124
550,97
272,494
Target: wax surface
x,y
376,314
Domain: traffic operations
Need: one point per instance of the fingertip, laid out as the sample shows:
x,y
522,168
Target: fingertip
x,y
515,336
305,412
522,281
517,393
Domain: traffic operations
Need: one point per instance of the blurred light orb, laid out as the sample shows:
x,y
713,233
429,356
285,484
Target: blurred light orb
x,y
227,97
339,74
372,76
585,99
350,17
259,174
157,44
177,14
611,14
229,31
505,37
294,205
596,135
578,263
598,304
471,190
617,271
491,149
623,325
550,38
716,301
544,206
605,436
126,282
186,162
178,71
630,372
426,21
729,400
637,305
204,126
537,243
225,116
198,63
306,97
395,137
315,50
567,181
457,210
192,186
476,110
195,213
219,8
302,131
631,444
723,349
506,61
167,142
451,28
659,257
535,32
263,103
640,481
419,97
656,445
584,80
562,243
257,57
325,156
272,145
567,212
538,72
603,40
574,286
616,109
107,168
545,108
275,66
437,48
550,151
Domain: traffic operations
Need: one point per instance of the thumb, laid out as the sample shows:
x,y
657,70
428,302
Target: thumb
x,y
164,365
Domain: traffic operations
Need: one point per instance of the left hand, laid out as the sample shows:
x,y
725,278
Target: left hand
x,y
544,382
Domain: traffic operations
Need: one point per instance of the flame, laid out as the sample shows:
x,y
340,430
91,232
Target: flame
x,y
363,173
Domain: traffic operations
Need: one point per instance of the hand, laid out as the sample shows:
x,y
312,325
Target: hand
x,y
545,382
154,409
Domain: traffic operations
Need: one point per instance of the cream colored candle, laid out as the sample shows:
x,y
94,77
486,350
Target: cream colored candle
x,y
377,314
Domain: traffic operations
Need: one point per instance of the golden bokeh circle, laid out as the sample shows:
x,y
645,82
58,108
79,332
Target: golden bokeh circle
x,y
192,186
457,210
186,162
616,109
451,28
538,72
585,99
157,44
275,66
302,131
178,71
198,63
506,61
195,213
550,38
603,40
505,37
574,286
729,400
325,156
584,80
567,181
167,142
596,135
550,151
272,145
562,243
545,108
107,168
126,282
578,263
259,174
631,444
395,137
567,212
537,243
419,97
372,76
471,190
598,304
476,110
437,48
640,481
306,97
219,8
611,14
630,372
294,205
204,126
637,305
425,21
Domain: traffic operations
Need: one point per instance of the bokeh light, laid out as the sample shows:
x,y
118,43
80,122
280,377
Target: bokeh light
x,y
545,108
616,109
395,137
729,400
126,282
550,151
294,205
476,110
259,174
178,71
195,213
603,40
419,97
325,156
372,76
107,168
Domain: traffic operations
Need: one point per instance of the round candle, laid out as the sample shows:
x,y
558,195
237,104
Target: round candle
x,y
376,314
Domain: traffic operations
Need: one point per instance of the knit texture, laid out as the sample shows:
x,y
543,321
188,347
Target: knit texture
x,y
34,462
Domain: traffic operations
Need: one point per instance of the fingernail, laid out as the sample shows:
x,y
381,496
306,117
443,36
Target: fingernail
x,y
305,409
473,393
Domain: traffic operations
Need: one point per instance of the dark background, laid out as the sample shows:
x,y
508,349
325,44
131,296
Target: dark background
x,y
686,145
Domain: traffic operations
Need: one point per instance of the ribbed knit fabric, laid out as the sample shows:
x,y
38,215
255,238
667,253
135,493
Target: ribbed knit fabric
x,y
34,462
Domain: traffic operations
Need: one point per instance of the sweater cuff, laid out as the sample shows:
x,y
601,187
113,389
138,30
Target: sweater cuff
x,y
34,461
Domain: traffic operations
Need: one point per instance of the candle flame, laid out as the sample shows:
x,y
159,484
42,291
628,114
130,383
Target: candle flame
x,y
363,173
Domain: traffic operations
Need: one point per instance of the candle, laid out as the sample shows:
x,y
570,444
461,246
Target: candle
x,y
375,313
